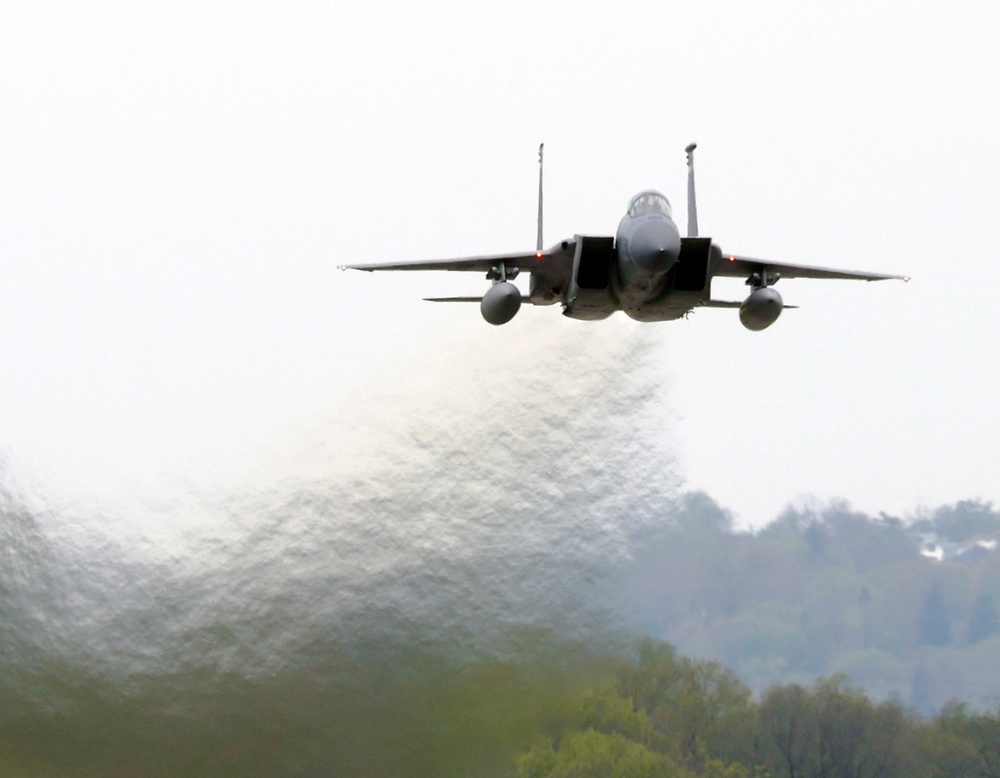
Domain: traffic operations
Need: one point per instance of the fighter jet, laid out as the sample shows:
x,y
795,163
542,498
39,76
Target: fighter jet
x,y
646,270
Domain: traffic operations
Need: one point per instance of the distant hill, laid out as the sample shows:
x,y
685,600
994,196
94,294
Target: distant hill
x,y
907,608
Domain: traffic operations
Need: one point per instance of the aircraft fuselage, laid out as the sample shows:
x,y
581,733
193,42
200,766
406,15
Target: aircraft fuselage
x,y
643,266
647,247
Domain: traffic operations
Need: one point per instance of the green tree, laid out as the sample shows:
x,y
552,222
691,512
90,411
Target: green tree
x,y
653,677
713,714
958,744
593,754
857,737
788,722
694,707
605,710
834,730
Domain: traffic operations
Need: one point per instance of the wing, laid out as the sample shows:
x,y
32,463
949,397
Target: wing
x,y
553,262
743,267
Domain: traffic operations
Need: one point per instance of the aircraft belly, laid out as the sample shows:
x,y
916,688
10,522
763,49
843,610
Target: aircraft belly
x,y
666,307
589,309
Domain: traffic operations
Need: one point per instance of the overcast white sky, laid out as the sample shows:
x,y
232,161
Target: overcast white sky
x,y
178,182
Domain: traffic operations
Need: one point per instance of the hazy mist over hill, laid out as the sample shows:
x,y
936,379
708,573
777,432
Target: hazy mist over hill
x,y
906,608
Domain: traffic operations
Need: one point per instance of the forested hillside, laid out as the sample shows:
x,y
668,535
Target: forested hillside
x,y
906,608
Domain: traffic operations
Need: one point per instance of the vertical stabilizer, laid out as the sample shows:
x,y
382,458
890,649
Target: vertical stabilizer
x,y
538,243
692,204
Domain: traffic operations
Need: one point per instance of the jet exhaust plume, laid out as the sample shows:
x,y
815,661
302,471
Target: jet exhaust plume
x,y
395,599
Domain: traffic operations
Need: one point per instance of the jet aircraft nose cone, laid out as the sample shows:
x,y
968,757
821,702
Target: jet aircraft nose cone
x,y
655,245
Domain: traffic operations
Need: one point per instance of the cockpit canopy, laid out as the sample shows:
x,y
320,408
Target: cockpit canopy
x,y
649,202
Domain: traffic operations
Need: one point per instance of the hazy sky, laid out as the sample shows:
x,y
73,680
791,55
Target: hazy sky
x,y
179,181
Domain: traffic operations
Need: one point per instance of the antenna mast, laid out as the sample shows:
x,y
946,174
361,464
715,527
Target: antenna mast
x,y
538,243
692,204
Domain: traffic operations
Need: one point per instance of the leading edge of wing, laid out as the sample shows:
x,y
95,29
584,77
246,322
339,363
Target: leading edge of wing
x,y
524,299
734,265
529,261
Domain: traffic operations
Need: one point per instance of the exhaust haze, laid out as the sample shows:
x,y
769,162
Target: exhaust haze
x,y
436,551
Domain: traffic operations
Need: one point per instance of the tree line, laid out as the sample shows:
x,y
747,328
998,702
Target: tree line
x,y
662,715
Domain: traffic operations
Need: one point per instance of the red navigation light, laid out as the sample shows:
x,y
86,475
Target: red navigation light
x,y
538,254
732,259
